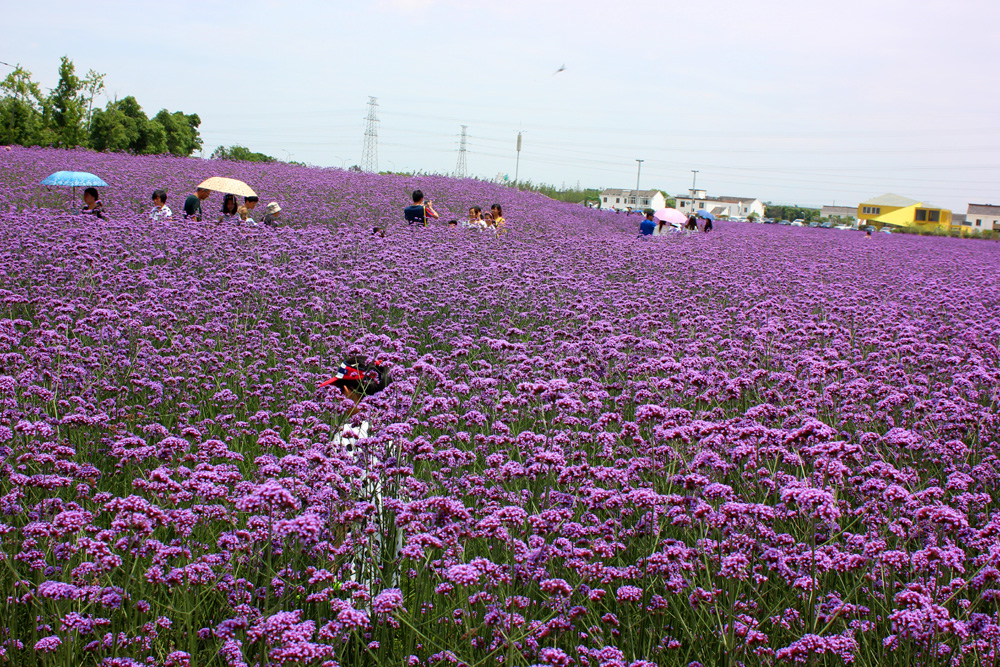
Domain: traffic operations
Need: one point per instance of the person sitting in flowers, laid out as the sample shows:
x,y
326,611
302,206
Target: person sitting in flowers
x,y
358,379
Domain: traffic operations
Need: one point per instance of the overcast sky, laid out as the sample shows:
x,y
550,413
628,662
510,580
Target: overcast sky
x,y
789,101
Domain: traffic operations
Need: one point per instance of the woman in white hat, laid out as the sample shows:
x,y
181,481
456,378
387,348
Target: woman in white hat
x,y
271,216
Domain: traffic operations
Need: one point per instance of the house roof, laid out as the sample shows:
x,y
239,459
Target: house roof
x,y
983,209
838,210
890,200
734,200
614,192
724,200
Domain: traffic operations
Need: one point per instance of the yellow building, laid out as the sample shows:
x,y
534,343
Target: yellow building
x,y
894,211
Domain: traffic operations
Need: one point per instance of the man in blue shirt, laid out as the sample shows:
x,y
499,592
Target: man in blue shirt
x,y
416,215
647,226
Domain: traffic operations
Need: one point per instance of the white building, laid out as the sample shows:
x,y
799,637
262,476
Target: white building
x,y
636,200
842,212
730,207
983,217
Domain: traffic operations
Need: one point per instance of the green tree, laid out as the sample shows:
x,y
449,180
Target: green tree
x,y
123,126
65,109
237,152
92,84
181,130
21,118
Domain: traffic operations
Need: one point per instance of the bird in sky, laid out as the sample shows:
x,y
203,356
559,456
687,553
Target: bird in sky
x,y
561,69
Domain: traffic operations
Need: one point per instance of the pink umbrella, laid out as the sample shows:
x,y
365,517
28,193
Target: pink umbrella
x,y
671,215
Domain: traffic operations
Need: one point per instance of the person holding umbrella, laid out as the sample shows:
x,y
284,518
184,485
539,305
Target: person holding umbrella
x,y
92,203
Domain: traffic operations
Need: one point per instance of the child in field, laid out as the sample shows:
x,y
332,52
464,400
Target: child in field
x,y
246,211
230,209
475,218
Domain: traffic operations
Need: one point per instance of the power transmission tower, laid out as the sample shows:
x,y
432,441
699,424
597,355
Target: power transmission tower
x,y
369,157
517,165
460,168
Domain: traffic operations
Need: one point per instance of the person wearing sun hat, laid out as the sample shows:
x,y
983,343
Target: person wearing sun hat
x,y
271,214
357,379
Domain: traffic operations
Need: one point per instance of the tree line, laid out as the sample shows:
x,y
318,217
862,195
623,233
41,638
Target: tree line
x,y
65,117
784,212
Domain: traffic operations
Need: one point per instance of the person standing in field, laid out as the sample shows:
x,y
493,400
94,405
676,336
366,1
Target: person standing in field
x,y
498,219
416,213
192,205
246,211
647,226
161,212
230,209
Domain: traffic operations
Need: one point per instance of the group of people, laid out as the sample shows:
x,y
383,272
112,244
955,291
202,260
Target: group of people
x,y
653,227
232,210
421,210
492,219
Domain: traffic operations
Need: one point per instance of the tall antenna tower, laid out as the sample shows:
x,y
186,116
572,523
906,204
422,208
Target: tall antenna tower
x,y
460,168
369,157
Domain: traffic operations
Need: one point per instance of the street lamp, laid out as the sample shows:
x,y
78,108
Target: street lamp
x,y
341,161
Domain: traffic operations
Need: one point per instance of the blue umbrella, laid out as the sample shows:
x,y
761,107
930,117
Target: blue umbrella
x,y
74,178
702,213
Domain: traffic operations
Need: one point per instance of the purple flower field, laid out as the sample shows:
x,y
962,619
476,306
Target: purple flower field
x,y
759,446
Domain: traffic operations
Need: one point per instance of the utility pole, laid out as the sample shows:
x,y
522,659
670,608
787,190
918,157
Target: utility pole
x,y
460,168
517,163
369,157
637,172
694,181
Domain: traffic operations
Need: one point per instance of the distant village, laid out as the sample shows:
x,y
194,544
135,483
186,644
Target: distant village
x,y
889,211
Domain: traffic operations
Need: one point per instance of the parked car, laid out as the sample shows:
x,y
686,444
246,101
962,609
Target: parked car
x,y
869,228
886,231
798,220
798,223
814,224
784,223
844,227
770,221
827,225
